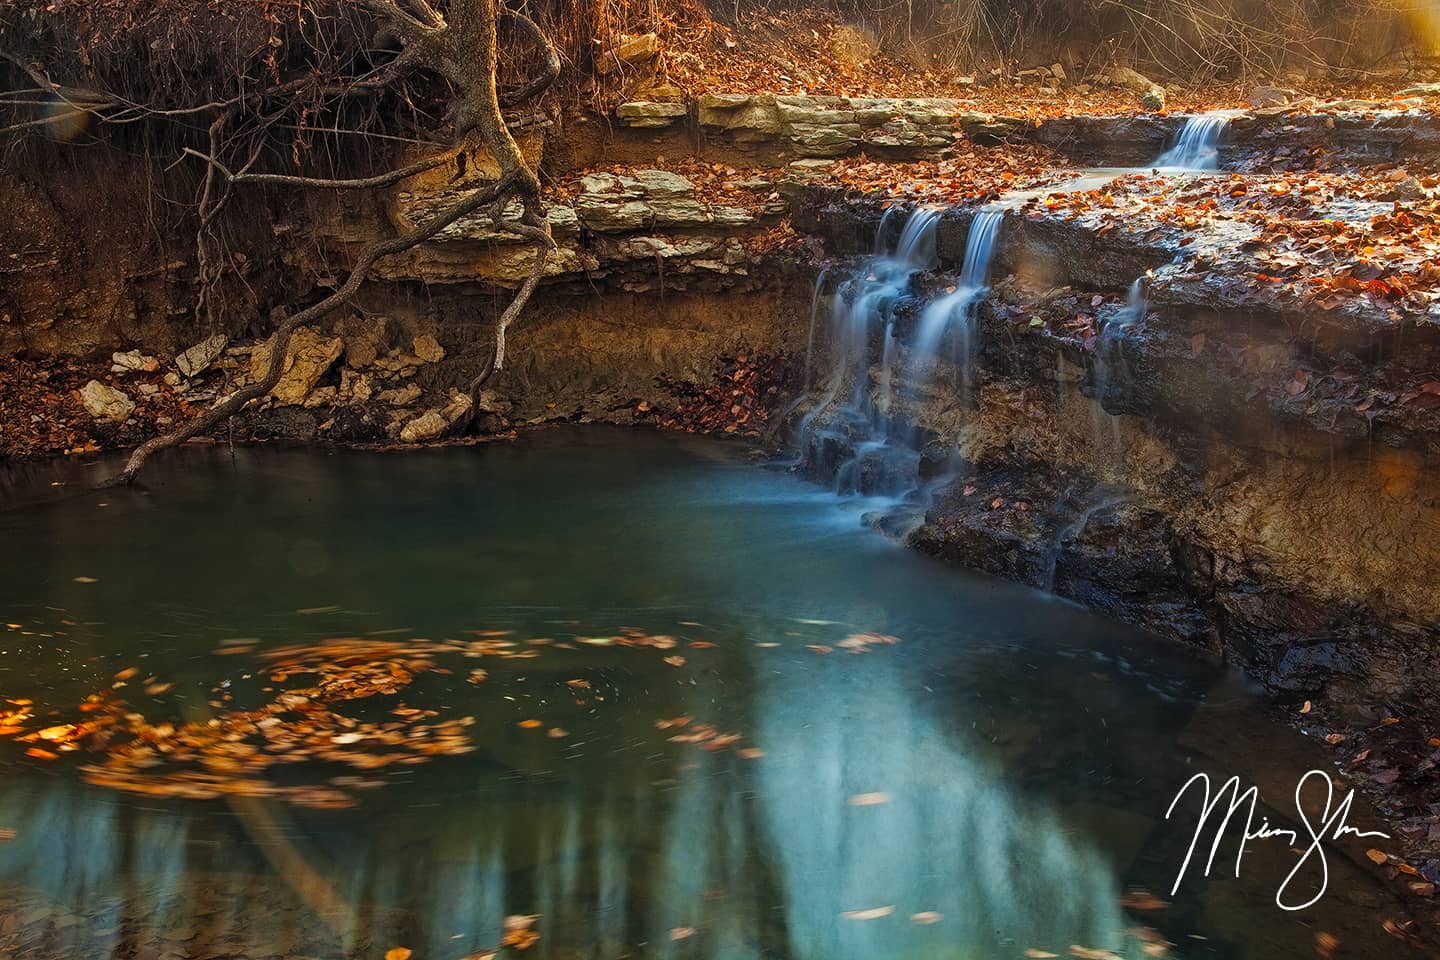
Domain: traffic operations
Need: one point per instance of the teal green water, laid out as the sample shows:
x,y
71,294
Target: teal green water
x,y
1024,751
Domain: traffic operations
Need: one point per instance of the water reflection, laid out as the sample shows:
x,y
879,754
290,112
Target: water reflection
x,y
1026,750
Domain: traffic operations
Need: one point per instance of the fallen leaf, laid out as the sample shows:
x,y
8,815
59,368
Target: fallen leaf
x,y
682,933
1377,856
556,733
86,580
578,684
1306,707
874,913
1034,954
1326,944
1090,953
1142,900
531,724
926,917
397,953
675,661
750,753
869,799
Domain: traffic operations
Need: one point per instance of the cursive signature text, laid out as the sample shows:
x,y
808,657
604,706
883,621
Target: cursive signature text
x,y
1331,825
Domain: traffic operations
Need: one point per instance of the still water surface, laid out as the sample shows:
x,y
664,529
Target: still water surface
x,y
1001,773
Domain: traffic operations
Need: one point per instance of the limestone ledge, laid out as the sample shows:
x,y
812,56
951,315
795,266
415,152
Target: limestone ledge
x,y
636,231
812,126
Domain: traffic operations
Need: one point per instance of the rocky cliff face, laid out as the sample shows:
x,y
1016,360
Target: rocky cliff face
x,y
1239,469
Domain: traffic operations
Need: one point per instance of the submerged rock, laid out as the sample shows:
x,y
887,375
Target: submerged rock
x,y
106,403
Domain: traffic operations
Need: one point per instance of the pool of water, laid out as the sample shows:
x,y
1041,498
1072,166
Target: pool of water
x,y
884,756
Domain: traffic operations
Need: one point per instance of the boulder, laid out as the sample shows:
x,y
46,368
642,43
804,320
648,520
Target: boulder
x,y
307,357
198,358
1266,96
1126,78
106,403
427,426
133,361
427,348
1154,99
364,340
629,51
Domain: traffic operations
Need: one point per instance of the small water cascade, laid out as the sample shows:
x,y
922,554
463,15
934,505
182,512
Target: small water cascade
x,y
1112,372
878,457
1198,147
957,311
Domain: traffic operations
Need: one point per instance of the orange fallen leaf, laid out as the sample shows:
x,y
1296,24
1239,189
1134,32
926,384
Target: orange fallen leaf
x,y
531,724
926,917
682,933
1377,856
869,799
676,661
39,754
397,953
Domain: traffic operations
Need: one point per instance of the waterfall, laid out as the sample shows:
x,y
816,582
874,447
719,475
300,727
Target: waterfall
x,y
958,309
860,425
1111,371
1199,145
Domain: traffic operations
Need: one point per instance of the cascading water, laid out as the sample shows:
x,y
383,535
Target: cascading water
x,y
864,424
1199,145
1110,373
957,310
857,303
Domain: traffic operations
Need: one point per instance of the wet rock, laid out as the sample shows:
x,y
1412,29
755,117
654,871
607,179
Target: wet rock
x,y
428,349
355,425
133,361
197,359
106,403
283,423
308,356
